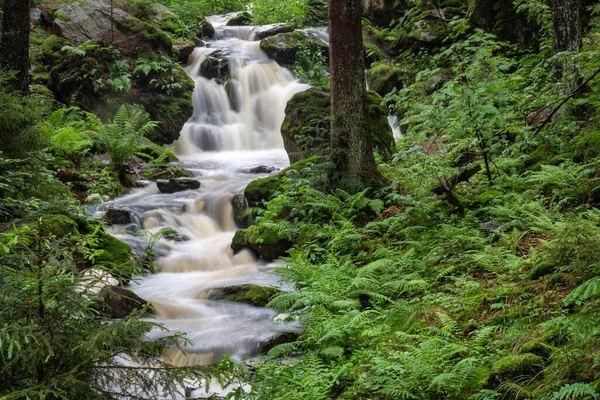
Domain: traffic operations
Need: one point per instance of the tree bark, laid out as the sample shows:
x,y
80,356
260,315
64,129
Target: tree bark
x,y
14,40
351,143
567,26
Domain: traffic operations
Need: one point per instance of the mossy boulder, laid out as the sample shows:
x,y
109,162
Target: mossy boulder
x,y
264,31
539,347
204,28
262,240
305,129
254,295
241,212
283,47
57,225
586,147
114,251
516,367
121,302
262,190
242,19
383,78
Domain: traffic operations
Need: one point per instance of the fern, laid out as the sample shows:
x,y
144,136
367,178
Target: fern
x,y
588,290
576,391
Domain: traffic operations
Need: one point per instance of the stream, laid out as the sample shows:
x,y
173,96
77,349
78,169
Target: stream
x,y
235,127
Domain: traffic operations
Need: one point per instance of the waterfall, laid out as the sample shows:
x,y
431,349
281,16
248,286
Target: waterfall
x,y
235,126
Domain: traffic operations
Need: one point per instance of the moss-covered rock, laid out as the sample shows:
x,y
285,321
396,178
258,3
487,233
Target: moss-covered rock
x,y
114,251
242,19
121,302
542,269
204,28
264,31
57,225
241,212
282,47
261,190
586,147
539,347
148,37
515,367
383,78
254,295
156,152
305,129
262,240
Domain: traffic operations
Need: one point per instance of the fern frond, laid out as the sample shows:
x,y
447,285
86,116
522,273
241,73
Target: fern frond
x,y
576,391
588,290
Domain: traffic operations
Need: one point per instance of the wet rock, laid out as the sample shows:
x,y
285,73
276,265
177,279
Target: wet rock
x,y
284,337
283,47
264,242
242,19
216,66
185,50
115,216
121,302
35,14
204,29
176,185
258,296
259,169
264,31
241,216
165,171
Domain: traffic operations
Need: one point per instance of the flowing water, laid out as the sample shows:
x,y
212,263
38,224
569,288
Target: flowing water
x,y
234,127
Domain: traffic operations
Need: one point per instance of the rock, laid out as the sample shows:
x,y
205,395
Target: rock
x,y
259,169
383,78
46,19
156,152
305,129
538,347
284,337
115,216
492,226
164,171
80,22
57,225
121,302
516,367
114,252
241,216
215,66
263,241
184,52
282,47
35,14
176,185
254,295
204,29
261,190
242,19
92,198
264,31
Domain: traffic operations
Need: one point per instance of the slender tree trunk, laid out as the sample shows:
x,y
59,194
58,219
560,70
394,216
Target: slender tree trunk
x,y
351,143
567,25
14,39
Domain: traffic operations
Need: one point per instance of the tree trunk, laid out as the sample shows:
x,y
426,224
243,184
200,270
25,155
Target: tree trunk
x,y
351,143
14,40
567,25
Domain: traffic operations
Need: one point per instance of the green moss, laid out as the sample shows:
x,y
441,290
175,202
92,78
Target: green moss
x,y
539,347
115,252
486,197
254,295
381,132
156,37
204,29
515,367
261,190
58,225
62,17
586,147
242,19
540,270
155,151
52,44
383,78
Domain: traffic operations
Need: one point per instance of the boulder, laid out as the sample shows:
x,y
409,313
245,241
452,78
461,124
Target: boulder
x,y
215,66
259,169
263,241
283,337
264,31
305,129
35,15
57,225
121,302
204,29
383,78
254,295
184,52
115,216
283,47
176,185
241,19
516,367
241,216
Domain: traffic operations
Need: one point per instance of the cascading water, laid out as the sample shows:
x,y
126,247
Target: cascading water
x,y
234,127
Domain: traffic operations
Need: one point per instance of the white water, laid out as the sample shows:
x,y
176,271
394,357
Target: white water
x,y
217,144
